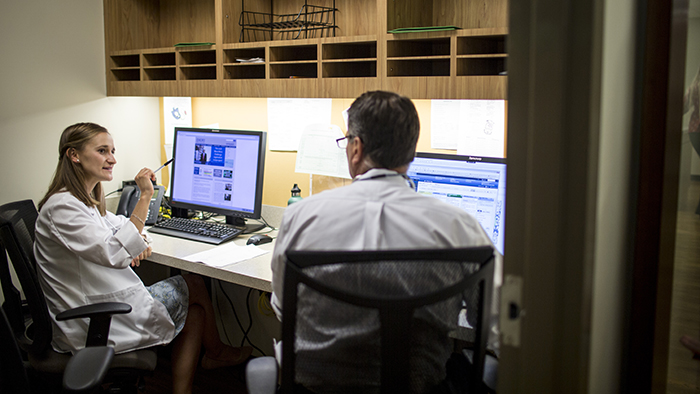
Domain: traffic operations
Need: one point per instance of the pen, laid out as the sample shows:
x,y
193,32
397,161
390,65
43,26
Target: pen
x,y
164,164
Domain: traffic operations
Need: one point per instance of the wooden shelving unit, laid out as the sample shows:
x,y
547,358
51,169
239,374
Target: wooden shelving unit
x,y
468,62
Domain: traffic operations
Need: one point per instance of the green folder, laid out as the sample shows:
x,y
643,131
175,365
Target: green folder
x,y
193,44
422,29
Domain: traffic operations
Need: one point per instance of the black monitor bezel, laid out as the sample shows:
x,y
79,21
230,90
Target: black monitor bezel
x,y
262,148
447,156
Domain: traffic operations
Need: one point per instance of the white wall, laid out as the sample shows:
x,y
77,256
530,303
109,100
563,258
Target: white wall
x,y
611,218
52,73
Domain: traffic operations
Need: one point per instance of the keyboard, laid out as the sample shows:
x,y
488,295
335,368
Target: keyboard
x,y
196,230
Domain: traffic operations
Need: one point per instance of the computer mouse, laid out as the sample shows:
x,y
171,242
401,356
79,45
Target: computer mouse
x,y
258,239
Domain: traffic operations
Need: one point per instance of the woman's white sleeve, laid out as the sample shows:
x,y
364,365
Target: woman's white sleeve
x,y
76,226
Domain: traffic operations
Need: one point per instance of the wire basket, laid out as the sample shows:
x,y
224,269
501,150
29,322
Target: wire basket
x,y
310,22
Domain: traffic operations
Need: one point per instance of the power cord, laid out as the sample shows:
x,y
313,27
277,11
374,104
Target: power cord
x,y
114,191
240,325
264,306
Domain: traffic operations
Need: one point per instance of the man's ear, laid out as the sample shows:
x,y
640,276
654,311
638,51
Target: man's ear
x,y
356,151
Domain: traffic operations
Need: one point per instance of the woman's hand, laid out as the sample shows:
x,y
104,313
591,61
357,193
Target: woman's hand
x,y
144,180
144,255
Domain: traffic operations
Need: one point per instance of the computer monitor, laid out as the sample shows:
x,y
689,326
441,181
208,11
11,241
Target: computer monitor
x,y
219,171
474,184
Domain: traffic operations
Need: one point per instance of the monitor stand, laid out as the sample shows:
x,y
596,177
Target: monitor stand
x,y
241,223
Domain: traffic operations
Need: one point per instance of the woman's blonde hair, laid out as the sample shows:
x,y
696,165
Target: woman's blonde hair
x,y
69,175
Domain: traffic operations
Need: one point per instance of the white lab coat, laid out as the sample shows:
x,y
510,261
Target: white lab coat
x,y
84,258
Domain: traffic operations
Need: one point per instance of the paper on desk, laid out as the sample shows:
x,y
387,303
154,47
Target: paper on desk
x,y
226,254
319,154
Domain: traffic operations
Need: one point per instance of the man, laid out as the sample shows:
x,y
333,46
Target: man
x,y
379,210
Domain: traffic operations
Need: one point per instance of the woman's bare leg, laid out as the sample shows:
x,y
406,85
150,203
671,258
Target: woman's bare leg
x,y
215,349
186,347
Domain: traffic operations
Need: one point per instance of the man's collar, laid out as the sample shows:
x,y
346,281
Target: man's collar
x,y
372,172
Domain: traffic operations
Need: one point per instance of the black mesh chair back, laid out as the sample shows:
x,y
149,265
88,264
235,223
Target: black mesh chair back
x,y
17,221
392,299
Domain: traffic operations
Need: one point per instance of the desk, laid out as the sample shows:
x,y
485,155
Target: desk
x,y
254,273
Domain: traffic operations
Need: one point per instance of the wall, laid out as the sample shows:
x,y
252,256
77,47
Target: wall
x,y
53,75
613,195
251,114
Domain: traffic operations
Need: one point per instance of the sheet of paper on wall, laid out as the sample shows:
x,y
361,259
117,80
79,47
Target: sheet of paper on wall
x,y
482,128
177,112
444,123
288,117
319,154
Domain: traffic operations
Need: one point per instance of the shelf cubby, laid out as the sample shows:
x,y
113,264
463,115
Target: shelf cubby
x,y
244,71
232,55
159,59
350,69
350,50
293,53
120,61
293,70
418,47
126,74
159,73
435,67
481,65
482,45
198,72
198,58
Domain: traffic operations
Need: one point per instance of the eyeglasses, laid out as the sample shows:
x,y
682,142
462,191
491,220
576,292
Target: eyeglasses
x,y
343,142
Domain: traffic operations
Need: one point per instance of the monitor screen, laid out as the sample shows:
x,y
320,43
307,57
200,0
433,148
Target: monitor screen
x,y
219,171
474,184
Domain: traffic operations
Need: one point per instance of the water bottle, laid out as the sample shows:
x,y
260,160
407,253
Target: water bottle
x,y
296,195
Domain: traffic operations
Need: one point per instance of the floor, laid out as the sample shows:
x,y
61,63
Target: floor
x,y
229,380
683,370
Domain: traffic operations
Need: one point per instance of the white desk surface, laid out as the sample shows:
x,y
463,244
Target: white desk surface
x,y
255,273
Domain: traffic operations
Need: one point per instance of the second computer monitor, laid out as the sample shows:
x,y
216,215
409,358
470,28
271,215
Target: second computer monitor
x,y
219,171
474,184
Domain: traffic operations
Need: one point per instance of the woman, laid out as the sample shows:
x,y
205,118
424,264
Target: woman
x,y
83,255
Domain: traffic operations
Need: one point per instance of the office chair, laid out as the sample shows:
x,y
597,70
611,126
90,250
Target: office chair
x,y
84,372
369,285
30,320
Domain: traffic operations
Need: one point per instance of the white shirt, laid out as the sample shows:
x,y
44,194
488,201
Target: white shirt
x,y
377,211
84,258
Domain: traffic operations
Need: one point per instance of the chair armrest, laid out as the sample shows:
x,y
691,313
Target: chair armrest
x,y
87,368
261,375
100,316
92,310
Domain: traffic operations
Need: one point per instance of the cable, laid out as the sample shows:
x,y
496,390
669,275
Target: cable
x,y
264,306
223,326
112,192
250,317
266,223
245,333
232,307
